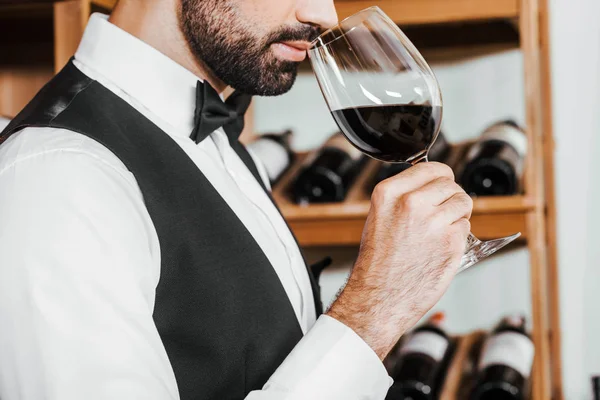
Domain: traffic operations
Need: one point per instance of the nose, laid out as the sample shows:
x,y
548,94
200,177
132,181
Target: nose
x,y
317,12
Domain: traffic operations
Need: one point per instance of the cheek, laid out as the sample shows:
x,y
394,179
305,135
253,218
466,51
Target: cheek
x,y
266,15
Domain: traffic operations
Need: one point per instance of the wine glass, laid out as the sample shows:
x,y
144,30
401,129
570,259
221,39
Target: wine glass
x,y
384,97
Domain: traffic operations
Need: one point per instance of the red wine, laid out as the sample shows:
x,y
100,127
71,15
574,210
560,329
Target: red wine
x,y
505,363
424,357
439,151
494,164
390,133
328,174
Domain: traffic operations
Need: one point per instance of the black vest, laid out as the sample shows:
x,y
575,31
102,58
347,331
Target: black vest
x,y
221,311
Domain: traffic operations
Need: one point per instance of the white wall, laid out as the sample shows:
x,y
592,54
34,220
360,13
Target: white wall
x,y
575,38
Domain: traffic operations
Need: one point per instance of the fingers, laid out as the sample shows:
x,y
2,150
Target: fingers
x,y
462,228
457,207
457,239
438,191
412,179
423,173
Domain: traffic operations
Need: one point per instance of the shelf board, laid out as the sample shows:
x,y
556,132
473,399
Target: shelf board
x,y
105,4
404,12
412,12
341,224
29,9
32,8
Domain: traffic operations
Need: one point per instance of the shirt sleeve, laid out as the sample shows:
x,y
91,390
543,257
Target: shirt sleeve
x,y
331,362
78,271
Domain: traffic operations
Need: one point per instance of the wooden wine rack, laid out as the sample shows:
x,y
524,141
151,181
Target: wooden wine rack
x,y
460,376
342,223
35,50
461,371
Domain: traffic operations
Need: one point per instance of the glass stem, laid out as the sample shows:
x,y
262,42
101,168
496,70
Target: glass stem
x,y
472,241
421,158
472,253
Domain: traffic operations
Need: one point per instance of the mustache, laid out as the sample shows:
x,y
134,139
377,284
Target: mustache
x,y
306,33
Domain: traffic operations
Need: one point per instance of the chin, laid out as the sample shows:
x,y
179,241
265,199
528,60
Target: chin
x,y
278,84
273,81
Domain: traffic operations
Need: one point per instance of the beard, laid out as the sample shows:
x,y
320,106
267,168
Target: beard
x,y
236,52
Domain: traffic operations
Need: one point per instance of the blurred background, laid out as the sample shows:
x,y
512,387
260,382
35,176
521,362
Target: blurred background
x,y
533,62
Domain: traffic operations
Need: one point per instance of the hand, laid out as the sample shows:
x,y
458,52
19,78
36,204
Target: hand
x,y
411,247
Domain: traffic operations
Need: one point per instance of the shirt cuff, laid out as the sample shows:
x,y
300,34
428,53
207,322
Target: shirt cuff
x,y
331,362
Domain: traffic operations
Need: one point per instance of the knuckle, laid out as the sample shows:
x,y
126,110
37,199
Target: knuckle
x,y
459,234
467,201
458,188
380,188
382,192
447,182
443,170
464,226
464,197
410,201
424,168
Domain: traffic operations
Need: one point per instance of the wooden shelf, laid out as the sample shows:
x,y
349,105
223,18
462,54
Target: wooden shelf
x,y
28,9
106,4
342,223
412,12
44,8
404,12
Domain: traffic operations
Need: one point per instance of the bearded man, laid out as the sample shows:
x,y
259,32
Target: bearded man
x,y
141,256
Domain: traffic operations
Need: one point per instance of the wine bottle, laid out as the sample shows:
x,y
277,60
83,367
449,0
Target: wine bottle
x,y
494,164
424,357
596,387
505,362
327,174
275,152
3,123
438,152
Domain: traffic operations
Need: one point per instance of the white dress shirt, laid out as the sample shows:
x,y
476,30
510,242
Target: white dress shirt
x,y
3,123
80,258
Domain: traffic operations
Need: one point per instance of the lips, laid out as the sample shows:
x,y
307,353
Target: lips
x,y
291,50
298,44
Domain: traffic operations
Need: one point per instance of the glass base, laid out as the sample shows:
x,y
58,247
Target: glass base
x,y
478,250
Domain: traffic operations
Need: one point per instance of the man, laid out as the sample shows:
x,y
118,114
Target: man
x,y
142,258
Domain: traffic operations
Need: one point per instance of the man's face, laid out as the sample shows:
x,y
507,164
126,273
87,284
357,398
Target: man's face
x,y
254,46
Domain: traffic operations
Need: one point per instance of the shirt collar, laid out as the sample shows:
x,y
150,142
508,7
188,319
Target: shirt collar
x,y
162,86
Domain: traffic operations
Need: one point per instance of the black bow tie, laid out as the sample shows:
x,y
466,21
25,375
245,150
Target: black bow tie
x,y
213,113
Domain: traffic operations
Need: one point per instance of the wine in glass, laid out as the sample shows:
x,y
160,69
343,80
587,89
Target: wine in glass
x,y
384,97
